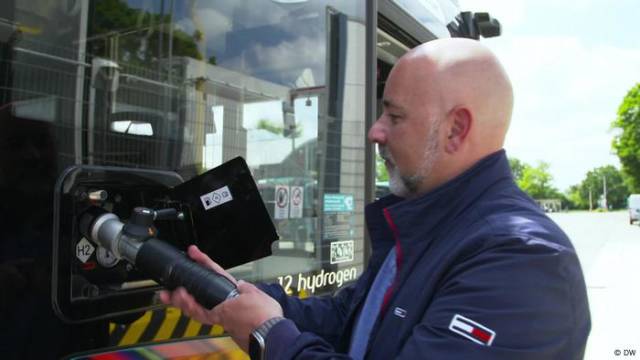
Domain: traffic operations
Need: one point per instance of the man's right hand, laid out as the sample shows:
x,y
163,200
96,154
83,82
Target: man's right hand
x,y
180,298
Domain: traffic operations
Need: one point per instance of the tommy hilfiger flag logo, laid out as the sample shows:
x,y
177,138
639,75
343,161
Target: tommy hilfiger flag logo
x,y
472,330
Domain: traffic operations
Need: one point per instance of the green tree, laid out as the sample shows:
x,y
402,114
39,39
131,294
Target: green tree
x,y
617,189
137,33
537,181
574,198
381,170
517,168
626,144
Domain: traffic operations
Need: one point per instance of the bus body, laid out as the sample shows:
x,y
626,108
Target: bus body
x,y
139,96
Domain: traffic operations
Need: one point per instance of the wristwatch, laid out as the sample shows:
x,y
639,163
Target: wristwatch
x,y
258,338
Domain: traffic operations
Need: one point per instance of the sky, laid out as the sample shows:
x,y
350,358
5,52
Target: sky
x,y
571,63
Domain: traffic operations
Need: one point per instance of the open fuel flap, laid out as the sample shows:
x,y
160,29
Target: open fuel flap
x,y
220,211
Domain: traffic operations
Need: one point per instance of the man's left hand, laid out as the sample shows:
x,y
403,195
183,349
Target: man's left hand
x,y
241,315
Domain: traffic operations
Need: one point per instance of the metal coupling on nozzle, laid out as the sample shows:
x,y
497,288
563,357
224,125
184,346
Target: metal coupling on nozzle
x,y
102,228
232,294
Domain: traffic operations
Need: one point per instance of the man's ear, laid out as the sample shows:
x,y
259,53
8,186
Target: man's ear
x,y
460,120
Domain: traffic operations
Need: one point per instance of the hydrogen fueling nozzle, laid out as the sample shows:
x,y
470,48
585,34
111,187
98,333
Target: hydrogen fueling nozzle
x,y
135,242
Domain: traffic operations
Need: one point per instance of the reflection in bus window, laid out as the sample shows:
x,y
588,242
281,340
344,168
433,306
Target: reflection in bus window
x,y
132,127
213,140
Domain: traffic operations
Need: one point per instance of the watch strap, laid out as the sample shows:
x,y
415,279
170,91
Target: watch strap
x,y
264,328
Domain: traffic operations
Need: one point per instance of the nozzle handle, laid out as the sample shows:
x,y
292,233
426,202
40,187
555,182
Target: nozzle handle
x,y
172,268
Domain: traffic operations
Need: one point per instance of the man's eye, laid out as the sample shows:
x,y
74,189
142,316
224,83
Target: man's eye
x,y
394,118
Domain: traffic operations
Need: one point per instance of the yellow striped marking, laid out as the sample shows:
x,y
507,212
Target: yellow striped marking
x,y
135,330
192,328
171,317
216,330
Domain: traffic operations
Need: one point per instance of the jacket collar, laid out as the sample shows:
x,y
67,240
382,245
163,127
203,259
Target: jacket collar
x,y
381,235
413,218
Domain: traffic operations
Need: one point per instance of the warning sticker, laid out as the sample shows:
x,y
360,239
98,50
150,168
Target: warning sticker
x,y
297,201
84,250
216,197
281,202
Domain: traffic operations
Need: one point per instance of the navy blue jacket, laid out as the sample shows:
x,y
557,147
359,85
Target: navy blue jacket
x,y
483,273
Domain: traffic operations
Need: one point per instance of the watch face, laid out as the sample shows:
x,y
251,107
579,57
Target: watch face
x,y
256,347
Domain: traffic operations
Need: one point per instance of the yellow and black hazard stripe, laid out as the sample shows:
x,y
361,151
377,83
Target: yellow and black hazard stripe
x,y
165,324
159,325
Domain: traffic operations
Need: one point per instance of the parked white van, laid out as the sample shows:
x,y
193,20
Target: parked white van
x,y
633,203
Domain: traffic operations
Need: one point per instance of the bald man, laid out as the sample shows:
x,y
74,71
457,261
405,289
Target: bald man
x,y
464,265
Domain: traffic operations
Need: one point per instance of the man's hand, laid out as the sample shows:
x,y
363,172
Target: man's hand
x,y
241,315
238,316
180,298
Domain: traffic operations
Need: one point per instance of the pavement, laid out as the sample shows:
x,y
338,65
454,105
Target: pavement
x,y
609,251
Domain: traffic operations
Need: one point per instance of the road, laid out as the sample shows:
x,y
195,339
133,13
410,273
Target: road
x,y
609,250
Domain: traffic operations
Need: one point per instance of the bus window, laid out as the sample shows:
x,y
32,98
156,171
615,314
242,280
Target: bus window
x,y
180,87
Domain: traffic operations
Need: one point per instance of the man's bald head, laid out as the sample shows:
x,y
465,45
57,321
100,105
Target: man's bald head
x,y
455,96
465,73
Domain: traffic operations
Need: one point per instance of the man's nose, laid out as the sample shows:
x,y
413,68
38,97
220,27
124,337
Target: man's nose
x,y
377,133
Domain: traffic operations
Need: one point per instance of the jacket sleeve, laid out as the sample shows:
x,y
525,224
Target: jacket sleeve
x,y
313,326
527,298
285,341
324,316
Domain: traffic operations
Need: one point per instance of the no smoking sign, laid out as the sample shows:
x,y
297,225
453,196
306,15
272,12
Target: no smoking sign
x,y
297,201
281,202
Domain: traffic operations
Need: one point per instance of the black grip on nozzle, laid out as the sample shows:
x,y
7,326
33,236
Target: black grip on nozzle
x,y
166,214
172,268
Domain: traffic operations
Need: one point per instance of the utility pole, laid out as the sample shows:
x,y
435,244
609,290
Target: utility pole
x,y
590,201
604,192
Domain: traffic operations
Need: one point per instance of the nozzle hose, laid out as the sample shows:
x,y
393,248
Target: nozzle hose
x,y
172,268
156,259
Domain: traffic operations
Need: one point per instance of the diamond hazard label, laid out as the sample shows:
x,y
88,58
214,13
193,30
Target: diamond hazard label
x,y
472,330
84,250
216,197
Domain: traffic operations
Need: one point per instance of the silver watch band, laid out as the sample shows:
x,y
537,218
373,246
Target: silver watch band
x,y
264,328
